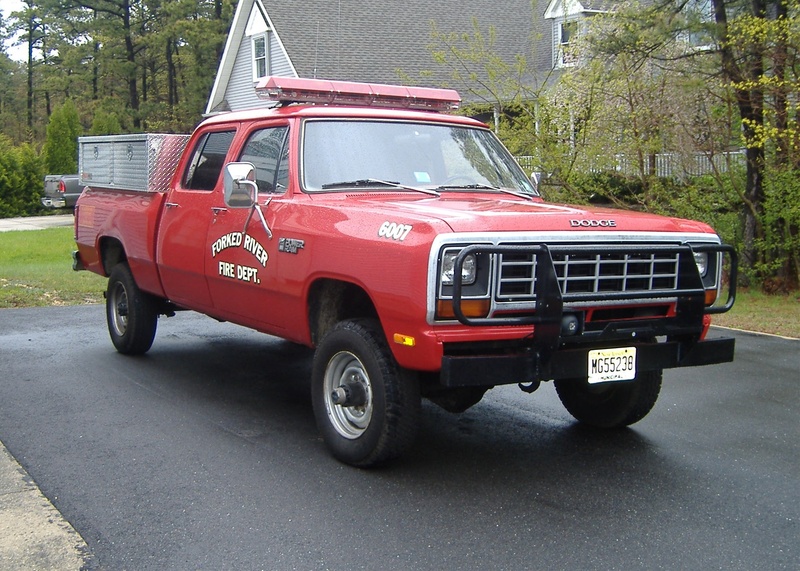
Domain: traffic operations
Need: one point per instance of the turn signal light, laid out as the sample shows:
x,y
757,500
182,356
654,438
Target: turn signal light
x,y
470,308
711,296
406,340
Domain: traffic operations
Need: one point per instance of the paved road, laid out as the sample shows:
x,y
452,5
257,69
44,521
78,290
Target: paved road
x,y
36,222
203,454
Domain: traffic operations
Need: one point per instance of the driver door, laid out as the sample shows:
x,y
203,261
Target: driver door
x,y
241,267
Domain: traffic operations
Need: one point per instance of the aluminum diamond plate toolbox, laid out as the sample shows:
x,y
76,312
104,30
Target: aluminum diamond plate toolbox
x,y
142,162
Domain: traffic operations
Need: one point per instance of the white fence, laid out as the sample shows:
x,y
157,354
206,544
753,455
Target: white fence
x,y
664,164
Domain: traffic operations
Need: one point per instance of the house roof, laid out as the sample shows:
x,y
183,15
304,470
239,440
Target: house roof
x,y
382,41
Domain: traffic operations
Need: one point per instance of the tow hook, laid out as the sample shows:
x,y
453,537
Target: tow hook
x,y
349,394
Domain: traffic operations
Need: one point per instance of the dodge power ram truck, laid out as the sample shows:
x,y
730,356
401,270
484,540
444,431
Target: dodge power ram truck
x,y
407,247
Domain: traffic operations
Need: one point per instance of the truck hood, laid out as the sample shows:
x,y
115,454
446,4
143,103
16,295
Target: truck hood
x,y
499,214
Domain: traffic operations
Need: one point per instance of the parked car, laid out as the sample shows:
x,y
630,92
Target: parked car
x,y
61,190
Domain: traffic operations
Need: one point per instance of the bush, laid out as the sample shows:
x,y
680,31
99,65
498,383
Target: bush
x,y
105,123
21,175
780,248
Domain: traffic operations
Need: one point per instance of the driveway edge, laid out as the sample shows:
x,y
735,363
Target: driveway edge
x,y
33,533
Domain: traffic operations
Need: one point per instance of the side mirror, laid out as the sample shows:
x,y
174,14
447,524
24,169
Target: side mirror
x,y
239,185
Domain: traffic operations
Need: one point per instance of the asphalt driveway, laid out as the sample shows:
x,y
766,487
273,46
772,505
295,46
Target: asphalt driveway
x,y
203,454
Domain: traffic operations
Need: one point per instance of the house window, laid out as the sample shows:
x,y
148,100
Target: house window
x,y
700,15
566,33
260,56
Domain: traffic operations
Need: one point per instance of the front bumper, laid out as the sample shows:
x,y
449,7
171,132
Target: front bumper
x,y
530,365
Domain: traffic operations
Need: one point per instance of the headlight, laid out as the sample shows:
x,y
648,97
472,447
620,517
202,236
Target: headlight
x,y
701,259
468,269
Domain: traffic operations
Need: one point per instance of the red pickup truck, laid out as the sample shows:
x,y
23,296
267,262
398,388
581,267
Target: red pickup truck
x,y
408,248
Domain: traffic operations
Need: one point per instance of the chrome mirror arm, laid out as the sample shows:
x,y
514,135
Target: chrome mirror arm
x,y
255,207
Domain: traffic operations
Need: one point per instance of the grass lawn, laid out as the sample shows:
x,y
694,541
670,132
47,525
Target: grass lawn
x,y
755,311
36,270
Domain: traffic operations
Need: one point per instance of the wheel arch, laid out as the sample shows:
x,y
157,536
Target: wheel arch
x,y
112,252
331,301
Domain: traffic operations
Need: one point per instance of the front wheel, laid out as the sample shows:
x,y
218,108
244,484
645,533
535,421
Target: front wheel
x,y
366,405
132,314
610,405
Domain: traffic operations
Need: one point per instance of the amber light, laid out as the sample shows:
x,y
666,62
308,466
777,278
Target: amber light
x,y
711,296
470,308
406,340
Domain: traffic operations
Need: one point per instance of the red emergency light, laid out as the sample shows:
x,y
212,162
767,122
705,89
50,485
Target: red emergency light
x,y
324,92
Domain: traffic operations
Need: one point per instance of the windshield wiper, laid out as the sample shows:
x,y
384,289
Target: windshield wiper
x,y
362,182
485,187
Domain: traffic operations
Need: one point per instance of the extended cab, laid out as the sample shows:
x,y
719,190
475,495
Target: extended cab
x,y
408,248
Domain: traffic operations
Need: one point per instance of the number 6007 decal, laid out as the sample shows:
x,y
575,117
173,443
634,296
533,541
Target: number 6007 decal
x,y
394,231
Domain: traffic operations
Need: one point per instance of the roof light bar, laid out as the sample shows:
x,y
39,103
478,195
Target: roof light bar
x,y
324,92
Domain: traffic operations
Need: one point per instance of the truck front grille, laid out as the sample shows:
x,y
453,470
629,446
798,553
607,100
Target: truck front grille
x,y
587,272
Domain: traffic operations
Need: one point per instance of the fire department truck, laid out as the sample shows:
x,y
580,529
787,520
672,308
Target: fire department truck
x,y
407,247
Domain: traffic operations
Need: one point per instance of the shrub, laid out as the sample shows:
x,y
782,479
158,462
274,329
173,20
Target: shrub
x,y
20,179
780,247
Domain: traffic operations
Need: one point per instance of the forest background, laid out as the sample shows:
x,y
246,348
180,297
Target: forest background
x,y
685,82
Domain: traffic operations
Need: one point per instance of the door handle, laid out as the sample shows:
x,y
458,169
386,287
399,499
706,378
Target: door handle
x,y
218,210
172,205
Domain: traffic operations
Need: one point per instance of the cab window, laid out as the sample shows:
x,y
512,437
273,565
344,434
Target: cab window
x,y
268,150
207,160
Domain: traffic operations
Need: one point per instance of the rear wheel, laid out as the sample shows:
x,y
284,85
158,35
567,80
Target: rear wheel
x,y
366,405
610,405
132,314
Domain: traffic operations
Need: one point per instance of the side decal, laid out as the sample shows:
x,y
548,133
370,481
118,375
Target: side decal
x,y
238,271
394,231
236,239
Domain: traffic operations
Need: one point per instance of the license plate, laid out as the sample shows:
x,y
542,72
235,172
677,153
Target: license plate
x,y
607,365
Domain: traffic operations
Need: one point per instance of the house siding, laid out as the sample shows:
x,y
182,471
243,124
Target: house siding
x,y
279,64
240,94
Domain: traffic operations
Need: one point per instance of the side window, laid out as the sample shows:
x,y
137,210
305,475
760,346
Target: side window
x,y
268,150
207,161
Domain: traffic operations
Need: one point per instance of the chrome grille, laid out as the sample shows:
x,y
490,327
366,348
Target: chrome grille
x,y
587,272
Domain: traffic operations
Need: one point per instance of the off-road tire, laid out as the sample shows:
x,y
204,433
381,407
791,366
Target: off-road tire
x,y
610,405
131,314
386,424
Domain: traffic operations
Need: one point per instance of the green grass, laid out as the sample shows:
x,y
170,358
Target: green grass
x,y
36,270
778,314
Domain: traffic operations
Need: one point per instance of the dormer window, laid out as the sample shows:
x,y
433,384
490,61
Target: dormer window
x,y
569,19
260,57
567,33
259,31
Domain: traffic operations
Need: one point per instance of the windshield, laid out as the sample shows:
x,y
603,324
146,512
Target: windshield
x,y
392,155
